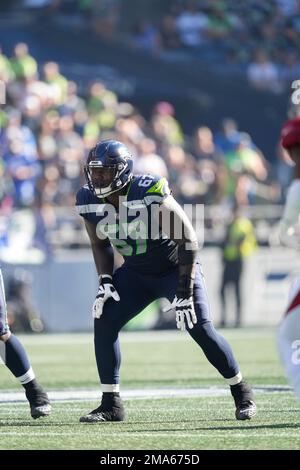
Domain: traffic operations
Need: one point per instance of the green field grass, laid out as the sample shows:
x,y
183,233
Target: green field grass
x,y
154,361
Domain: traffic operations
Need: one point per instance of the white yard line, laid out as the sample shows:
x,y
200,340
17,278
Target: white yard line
x,y
142,394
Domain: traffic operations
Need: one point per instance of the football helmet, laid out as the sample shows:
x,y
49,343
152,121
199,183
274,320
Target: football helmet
x,y
290,133
108,168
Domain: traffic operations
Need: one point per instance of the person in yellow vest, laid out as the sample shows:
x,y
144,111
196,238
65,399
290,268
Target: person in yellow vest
x,y
239,243
22,63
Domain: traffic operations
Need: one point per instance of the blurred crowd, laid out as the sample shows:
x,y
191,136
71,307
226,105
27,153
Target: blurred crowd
x,y
48,128
258,39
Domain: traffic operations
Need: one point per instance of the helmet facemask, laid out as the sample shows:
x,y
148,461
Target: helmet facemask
x,y
104,180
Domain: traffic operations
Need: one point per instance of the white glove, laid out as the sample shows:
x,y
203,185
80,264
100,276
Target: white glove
x,y
185,312
106,290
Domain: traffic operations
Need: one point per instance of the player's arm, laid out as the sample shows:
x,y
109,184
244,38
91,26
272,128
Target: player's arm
x,y
181,231
102,250
177,226
104,260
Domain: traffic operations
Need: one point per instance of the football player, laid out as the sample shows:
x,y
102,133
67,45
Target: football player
x,y
138,216
15,358
289,232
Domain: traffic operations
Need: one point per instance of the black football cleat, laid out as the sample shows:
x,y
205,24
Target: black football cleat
x,y
246,410
111,409
39,402
244,401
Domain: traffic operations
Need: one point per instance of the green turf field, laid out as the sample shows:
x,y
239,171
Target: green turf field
x,y
154,361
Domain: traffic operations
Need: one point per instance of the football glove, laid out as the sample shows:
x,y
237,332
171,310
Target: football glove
x,y
185,312
106,290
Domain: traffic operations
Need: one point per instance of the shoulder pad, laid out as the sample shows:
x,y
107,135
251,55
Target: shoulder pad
x,y
157,191
86,202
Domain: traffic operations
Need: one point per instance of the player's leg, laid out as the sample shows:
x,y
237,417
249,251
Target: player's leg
x,y
15,358
215,347
219,353
223,298
289,339
134,297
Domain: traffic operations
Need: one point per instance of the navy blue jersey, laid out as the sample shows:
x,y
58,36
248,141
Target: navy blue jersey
x,y
133,228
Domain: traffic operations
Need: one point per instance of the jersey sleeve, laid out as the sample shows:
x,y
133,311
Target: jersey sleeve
x,y
82,203
157,191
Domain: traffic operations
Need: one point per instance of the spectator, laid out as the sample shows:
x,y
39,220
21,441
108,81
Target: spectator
x,y
23,65
145,36
239,243
6,73
73,103
192,25
70,151
262,73
164,125
57,81
23,172
105,17
290,69
220,25
228,138
169,36
204,146
149,161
